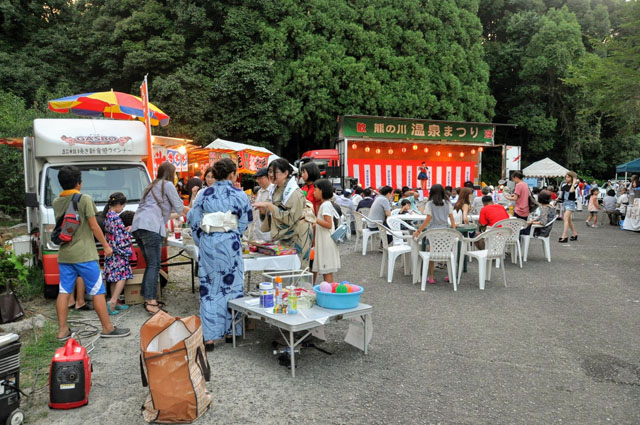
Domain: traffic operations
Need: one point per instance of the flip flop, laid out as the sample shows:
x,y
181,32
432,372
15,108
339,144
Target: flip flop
x,y
122,307
83,308
64,338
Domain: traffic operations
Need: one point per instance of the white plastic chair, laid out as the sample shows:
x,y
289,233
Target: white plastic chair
x,y
366,231
443,245
390,253
495,245
396,211
515,224
526,239
399,226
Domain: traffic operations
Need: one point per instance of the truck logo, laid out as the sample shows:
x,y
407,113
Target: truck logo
x,y
96,140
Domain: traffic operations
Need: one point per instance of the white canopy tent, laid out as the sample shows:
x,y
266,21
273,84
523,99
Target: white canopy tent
x,y
235,146
545,168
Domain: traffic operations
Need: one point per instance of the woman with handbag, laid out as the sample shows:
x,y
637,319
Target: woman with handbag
x,y
284,216
160,198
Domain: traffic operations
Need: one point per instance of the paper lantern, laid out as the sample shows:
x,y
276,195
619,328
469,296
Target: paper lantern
x,y
461,154
415,147
480,149
404,150
449,154
437,153
390,151
367,149
473,151
354,146
378,151
426,150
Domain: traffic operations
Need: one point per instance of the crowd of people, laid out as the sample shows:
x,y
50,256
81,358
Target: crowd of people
x,y
300,214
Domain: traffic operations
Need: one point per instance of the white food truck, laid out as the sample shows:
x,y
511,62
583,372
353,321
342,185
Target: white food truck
x,y
110,154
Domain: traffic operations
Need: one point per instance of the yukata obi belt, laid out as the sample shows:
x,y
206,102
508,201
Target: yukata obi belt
x,y
218,222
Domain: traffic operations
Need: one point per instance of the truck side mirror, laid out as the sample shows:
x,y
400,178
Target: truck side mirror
x,y
31,199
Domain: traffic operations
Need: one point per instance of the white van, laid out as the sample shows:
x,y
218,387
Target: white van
x,y
109,153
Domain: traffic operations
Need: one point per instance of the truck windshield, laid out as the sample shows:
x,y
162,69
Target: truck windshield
x,y
100,181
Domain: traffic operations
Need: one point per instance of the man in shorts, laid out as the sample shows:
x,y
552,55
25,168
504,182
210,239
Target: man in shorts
x,y
79,257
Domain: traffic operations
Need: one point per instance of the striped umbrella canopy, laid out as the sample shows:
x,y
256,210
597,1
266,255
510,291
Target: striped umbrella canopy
x,y
110,104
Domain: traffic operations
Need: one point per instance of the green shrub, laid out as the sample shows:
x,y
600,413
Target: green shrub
x,y
27,282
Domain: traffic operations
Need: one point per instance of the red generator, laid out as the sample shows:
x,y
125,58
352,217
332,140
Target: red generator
x,y
70,376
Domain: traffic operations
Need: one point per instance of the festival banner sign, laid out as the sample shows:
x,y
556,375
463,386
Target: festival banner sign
x,y
353,127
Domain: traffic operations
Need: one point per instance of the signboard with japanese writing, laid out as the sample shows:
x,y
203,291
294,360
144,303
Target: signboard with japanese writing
x,y
81,137
367,127
179,160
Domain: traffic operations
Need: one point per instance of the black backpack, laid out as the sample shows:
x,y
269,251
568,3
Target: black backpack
x,y
68,223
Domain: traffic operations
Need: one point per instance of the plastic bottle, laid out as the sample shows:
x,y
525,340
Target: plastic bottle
x,y
511,209
278,281
293,301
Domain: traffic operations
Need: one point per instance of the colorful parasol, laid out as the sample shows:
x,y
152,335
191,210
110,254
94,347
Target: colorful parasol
x,y
111,104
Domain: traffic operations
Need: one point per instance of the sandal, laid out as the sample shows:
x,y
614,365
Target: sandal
x,y
563,240
573,238
152,312
111,312
431,281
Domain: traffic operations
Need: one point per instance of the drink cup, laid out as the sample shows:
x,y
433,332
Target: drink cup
x,y
178,234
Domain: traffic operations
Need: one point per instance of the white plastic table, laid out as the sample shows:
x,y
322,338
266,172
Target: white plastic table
x,y
304,320
252,262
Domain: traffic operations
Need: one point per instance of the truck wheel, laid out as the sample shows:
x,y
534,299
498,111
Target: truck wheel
x,y
50,291
15,418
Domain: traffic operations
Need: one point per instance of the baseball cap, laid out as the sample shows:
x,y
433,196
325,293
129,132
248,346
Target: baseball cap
x,y
261,173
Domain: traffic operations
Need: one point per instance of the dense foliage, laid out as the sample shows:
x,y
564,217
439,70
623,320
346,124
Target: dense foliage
x,y
558,71
278,73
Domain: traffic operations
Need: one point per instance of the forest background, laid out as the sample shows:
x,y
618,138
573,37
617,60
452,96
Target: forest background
x,y
278,73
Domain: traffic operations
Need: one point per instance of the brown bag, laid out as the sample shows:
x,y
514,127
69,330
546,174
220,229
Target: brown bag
x,y
174,366
10,308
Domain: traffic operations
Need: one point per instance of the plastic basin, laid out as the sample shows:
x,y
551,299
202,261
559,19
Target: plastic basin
x,y
337,301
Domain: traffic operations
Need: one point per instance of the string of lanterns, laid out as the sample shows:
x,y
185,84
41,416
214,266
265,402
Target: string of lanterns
x,y
367,149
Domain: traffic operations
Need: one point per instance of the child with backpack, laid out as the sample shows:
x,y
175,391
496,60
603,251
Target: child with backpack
x,y
327,255
78,257
116,267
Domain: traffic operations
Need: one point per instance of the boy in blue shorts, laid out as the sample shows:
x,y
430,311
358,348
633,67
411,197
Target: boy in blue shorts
x,y
79,258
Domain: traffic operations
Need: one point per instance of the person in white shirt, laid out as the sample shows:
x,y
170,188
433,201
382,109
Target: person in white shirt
x,y
357,197
263,195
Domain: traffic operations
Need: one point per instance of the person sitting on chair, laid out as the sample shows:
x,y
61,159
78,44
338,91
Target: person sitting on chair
x,y
547,213
491,213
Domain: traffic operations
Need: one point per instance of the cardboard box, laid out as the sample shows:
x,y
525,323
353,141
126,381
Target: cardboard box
x,y
133,288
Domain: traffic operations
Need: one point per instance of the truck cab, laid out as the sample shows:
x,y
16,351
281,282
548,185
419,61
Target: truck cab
x,y
326,159
110,155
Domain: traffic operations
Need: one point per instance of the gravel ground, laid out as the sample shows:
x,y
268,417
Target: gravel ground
x,y
559,345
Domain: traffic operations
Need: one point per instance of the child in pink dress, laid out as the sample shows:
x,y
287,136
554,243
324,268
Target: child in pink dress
x,y
594,208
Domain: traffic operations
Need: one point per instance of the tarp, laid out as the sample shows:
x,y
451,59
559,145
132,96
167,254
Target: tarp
x,y
545,168
226,145
629,167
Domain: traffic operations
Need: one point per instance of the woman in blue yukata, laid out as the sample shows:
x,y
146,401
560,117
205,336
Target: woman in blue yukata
x,y
218,218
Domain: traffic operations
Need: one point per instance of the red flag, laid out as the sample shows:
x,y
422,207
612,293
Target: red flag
x,y
144,95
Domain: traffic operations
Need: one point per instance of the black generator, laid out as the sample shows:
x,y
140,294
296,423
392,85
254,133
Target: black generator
x,y
10,412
